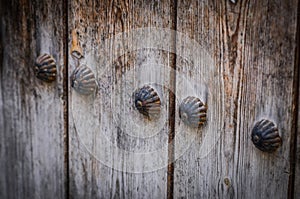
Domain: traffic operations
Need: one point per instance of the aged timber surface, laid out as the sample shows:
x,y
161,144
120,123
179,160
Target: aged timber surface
x,y
241,65
297,169
297,115
297,150
31,111
248,76
115,152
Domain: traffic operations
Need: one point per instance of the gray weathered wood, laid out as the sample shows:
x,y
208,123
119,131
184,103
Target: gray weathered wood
x,y
241,66
297,169
31,112
105,126
297,117
249,77
297,155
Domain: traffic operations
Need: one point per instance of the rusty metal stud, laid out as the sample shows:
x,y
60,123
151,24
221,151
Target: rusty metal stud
x,y
192,112
265,136
83,80
45,68
76,50
147,101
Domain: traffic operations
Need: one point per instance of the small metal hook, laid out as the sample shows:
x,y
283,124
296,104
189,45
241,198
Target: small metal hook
x,y
76,50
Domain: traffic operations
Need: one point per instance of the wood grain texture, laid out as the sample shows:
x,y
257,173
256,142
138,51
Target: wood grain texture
x,y
115,152
31,111
246,75
297,155
237,58
296,190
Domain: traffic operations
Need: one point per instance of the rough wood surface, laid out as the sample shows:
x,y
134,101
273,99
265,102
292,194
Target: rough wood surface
x,y
31,111
297,157
297,117
238,58
115,152
249,77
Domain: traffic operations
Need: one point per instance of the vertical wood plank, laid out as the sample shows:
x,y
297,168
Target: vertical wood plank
x,y
115,152
297,158
246,75
297,155
31,111
296,190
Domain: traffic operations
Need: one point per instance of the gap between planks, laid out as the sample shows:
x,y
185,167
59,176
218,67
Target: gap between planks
x,y
172,108
294,129
66,98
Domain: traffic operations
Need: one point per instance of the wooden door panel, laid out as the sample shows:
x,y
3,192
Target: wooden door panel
x,y
31,111
111,144
238,58
250,77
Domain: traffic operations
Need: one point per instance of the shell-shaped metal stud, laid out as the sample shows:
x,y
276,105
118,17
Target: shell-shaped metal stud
x,y
83,80
265,136
192,112
147,101
45,68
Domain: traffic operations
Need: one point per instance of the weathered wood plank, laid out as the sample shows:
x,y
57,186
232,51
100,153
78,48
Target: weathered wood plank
x,y
31,111
249,77
297,117
297,157
114,151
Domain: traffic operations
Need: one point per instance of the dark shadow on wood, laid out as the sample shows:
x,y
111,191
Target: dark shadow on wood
x,y
172,109
66,98
294,130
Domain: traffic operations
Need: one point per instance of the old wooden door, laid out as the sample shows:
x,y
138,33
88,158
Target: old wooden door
x,y
241,58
